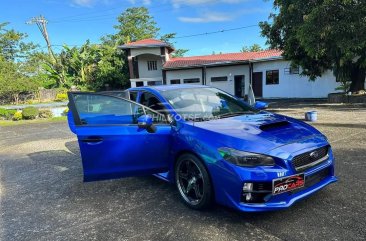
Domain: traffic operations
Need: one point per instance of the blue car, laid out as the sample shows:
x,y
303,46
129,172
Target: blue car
x,y
213,146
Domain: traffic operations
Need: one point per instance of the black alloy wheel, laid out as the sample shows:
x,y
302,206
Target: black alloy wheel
x,y
193,182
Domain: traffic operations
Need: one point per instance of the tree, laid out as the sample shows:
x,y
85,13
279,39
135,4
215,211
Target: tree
x,y
134,24
12,82
168,39
253,48
17,74
320,35
112,70
12,45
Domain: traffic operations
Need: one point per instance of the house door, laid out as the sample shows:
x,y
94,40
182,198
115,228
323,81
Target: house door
x,y
239,85
257,84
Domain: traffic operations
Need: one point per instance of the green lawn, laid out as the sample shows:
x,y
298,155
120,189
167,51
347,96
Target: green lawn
x,y
22,122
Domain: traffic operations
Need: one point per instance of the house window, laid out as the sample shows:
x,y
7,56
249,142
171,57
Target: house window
x,y
152,83
295,70
216,79
292,70
193,80
175,81
151,65
272,77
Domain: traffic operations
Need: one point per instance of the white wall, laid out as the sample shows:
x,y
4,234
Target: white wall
x,y
184,74
143,70
139,51
294,85
230,72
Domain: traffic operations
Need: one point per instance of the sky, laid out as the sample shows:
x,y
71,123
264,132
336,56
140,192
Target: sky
x,y
72,22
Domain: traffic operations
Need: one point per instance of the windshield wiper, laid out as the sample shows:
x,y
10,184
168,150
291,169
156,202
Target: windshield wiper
x,y
196,119
231,114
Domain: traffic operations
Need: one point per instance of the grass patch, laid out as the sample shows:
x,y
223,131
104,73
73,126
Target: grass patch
x,y
22,122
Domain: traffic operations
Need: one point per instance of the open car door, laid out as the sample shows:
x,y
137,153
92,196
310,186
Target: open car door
x,y
111,143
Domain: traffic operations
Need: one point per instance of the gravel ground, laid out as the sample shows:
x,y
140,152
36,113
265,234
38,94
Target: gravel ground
x,y
42,196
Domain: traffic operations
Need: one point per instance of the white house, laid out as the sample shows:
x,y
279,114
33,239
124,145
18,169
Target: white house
x,y
150,63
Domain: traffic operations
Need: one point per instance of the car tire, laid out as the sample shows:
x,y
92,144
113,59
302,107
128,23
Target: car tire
x,y
193,182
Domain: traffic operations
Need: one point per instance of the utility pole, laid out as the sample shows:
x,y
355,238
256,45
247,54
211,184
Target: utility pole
x,y
41,23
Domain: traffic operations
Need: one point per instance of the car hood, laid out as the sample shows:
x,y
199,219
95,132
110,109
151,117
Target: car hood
x,y
259,132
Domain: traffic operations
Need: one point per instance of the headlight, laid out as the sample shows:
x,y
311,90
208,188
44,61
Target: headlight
x,y
245,159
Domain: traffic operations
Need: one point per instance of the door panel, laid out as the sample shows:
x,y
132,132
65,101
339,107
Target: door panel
x,y
258,84
111,144
239,85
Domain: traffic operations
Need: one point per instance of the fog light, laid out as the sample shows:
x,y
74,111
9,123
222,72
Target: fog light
x,y
248,187
248,197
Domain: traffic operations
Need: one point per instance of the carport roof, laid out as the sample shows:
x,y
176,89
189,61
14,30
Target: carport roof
x,y
221,59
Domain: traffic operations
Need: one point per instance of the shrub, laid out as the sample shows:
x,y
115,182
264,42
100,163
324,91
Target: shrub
x,y
3,113
30,113
6,114
17,116
61,97
45,114
12,112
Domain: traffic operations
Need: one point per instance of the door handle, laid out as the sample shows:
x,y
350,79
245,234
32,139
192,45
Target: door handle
x,y
92,139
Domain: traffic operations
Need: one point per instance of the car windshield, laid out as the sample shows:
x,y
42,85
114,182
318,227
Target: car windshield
x,y
205,103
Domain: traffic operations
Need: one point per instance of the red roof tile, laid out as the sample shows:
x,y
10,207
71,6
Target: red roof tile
x,y
149,41
220,58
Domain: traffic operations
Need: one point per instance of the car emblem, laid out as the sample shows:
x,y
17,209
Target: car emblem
x,y
314,155
281,174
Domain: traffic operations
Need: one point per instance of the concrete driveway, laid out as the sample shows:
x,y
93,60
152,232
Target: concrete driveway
x,y
42,196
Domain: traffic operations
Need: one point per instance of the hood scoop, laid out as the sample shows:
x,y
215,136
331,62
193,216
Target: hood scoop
x,y
274,125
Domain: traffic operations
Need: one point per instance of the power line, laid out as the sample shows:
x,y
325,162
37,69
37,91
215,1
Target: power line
x,y
180,37
218,31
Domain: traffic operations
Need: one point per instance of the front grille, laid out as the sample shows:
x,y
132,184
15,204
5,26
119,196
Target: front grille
x,y
309,159
314,179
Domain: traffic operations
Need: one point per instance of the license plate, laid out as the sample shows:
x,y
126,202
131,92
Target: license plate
x,y
286,184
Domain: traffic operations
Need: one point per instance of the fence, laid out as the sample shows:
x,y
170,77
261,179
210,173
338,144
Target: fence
x,y
42,95
47,95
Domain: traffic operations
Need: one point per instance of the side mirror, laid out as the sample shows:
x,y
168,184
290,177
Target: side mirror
x,y
260,105
146,122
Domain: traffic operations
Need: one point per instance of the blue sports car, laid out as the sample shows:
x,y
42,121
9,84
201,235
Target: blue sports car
x,y
213,146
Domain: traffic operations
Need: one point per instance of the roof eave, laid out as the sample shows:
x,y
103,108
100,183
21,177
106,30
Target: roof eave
x,y
266,59
206,65
126,46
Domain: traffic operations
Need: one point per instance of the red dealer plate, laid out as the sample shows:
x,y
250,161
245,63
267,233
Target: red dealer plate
x,y
285,184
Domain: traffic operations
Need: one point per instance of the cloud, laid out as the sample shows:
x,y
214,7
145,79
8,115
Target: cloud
x,y
92,3
207,18
144,2
84,3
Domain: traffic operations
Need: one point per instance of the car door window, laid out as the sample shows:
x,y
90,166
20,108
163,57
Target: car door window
x,y
151,101
96,109
133,95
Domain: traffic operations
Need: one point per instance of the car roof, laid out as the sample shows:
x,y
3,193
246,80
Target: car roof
x,y
169,87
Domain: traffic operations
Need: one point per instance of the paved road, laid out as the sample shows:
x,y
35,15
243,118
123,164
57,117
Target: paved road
x,y
42,196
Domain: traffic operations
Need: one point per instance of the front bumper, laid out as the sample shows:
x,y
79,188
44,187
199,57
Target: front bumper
x,y
229,191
